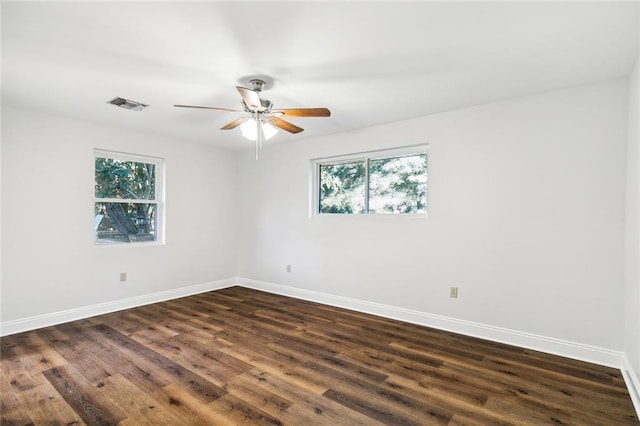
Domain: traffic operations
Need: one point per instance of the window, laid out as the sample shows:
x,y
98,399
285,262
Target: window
x,y
128,198
392,182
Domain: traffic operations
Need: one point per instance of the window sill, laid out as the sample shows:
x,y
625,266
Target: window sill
x,y
134,244
373,216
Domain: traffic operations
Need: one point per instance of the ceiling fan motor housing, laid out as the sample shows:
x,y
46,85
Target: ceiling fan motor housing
x,y
266,106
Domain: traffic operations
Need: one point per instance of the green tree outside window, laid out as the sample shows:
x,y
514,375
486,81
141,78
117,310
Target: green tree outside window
x,y
126,205
390,184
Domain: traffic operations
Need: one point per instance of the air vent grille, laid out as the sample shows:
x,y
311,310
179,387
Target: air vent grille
x,y
127,104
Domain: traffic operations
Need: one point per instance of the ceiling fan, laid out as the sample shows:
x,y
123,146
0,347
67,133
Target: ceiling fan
x,y
261,120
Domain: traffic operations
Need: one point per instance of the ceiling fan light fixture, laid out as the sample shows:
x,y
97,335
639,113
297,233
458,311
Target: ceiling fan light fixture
x,y
249,129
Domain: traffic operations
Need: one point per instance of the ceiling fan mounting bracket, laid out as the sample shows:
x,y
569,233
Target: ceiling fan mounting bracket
x,y
257,84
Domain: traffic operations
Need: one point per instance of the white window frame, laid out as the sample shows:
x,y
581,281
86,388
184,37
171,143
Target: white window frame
x,y
365,156
159,199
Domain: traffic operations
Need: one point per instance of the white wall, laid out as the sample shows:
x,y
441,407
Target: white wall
x,y
527,203
526,217
632,232
50,263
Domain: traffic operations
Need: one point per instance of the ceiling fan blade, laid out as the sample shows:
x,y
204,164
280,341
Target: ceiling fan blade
x,y
285,125
250,98
206,107
305,112
235,123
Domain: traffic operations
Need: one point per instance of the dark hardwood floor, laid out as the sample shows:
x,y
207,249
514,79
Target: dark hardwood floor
x,y
240,356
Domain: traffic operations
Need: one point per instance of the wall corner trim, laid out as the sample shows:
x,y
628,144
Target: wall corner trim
x,y
46,320
632,380
579,351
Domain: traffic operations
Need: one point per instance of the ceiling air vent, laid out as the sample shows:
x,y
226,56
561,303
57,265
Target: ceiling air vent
x,y
127,104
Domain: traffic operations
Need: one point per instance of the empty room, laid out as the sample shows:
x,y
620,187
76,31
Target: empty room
x,y
320,213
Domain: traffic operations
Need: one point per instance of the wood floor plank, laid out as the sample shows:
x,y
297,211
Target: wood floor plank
x,y
139,407
463,403
42,356
78,353
432,386
11,410
394,406
45,405
271,361
199,387
372,409
241,356
50,334
308,407
241,412
249,390
210,363
141,372
79,394
18,369
189,409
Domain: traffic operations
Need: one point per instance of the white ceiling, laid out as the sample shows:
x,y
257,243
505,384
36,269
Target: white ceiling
x,y
369,62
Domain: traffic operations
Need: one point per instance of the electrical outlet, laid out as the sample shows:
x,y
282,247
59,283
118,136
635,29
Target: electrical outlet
x,y
453,292
123,277
288,268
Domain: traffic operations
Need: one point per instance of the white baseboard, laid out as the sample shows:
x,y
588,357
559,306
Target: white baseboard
x,y
39,321
632,380
550,345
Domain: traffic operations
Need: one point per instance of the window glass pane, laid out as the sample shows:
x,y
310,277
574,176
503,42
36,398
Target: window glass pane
x,y
124,179
125,222
398,184
342,187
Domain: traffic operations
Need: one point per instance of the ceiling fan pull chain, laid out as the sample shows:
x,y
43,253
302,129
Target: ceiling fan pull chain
x,y
257,149
258,135
261,132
